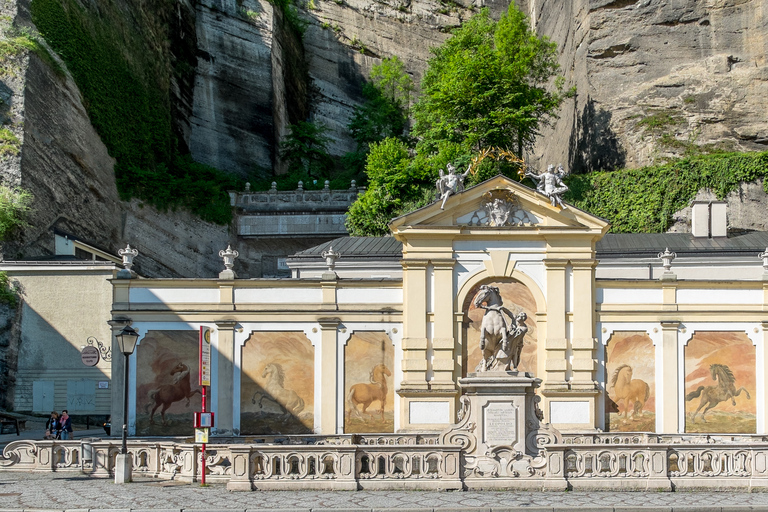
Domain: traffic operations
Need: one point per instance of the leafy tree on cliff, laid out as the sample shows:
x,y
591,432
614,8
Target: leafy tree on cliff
x,y
384,112
305,149
487,86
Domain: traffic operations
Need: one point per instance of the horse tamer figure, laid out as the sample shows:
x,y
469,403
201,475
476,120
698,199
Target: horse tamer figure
x,y
501,343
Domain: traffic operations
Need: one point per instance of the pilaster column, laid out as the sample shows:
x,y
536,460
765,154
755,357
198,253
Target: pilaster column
x,y
443,342
414,363
225,348
556,344
667,396
328,286
583,340
762,381
328,380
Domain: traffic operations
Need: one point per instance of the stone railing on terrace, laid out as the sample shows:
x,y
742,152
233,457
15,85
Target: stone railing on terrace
x,y
293,212
402,461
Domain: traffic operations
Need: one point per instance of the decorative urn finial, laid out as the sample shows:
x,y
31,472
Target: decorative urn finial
x,y
128,254
764,256
666,259
330,258
229,257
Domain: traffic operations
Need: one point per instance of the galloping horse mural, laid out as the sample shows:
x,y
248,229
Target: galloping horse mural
x,y
725,389
165,395
276,392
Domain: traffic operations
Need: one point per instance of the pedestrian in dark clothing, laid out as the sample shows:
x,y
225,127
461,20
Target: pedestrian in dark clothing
x,y
52,426
65,424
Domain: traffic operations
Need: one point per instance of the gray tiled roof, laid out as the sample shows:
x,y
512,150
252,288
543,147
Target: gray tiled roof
x,y
684,244
363,247
613,245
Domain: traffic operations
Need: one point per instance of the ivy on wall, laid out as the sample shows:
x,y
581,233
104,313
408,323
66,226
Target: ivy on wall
x,y
124,75
643,200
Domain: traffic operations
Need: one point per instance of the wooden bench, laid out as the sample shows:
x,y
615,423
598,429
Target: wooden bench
x,y
9,421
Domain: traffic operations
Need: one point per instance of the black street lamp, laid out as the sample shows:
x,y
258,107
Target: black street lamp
x,y
126,342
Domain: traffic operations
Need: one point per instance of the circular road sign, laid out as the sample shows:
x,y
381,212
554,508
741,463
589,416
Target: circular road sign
x,y
90,356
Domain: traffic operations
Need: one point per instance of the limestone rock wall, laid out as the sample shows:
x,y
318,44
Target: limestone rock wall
x,y
656,78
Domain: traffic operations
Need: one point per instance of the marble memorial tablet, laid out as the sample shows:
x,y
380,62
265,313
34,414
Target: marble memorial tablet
x,y
500,423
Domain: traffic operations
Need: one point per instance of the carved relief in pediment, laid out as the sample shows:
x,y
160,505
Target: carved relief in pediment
x,y
499,208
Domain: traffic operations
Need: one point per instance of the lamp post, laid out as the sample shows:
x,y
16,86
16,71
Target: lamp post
x,y
126,342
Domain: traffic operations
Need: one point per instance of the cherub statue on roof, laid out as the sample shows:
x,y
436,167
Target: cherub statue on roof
x,y
550,183
450,183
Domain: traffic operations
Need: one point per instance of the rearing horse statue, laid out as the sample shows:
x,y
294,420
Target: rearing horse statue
x,y
494,330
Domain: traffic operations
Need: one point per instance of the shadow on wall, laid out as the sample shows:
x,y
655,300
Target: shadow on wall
x,y
594,145
277,384
54,376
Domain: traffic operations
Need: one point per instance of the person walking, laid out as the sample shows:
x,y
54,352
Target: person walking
x,y
52,426
65,423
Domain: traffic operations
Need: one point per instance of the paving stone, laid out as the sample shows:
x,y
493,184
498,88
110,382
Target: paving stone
x,y
560,508
151,510
462,509
278,510
641,508
744,508
522,508
212,510
422,509
351,509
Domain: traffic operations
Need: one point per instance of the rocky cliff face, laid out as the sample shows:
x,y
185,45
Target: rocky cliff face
x,y
656,79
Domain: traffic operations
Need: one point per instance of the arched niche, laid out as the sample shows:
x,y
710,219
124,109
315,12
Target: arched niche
x,y
277,391
166,378
630,382
517,297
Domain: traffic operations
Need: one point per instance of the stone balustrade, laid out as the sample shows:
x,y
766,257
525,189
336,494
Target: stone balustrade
x,y
411,461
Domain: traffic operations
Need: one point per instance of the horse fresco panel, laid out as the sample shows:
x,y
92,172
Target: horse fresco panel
x,y
277,386
630,401
167,383
369,396
720,383
517,299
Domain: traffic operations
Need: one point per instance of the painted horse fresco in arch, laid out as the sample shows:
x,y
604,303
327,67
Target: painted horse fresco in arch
x,y
366,394
167,394
725,389
275,391
634,392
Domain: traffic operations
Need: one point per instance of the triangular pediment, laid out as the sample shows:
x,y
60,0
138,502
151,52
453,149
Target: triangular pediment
x,y
499,203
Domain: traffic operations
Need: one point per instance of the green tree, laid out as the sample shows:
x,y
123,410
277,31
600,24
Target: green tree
x,y
14,206
393,81
378,118
486,86
391,185
305,149
384,112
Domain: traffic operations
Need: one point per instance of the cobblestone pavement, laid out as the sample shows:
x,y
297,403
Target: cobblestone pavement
x,y
50,491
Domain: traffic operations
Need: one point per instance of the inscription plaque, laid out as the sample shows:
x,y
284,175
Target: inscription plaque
x,y
500,423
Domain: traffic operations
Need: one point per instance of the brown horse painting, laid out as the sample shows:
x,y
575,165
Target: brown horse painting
x,y
634,392
366,394
167,394
713,395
